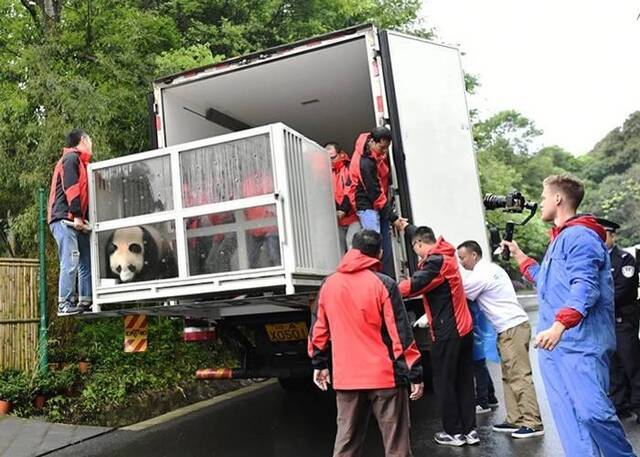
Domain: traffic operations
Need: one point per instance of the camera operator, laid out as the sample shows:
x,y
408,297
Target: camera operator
x,y
625,363
576,330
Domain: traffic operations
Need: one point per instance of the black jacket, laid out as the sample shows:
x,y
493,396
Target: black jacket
x,y
369,192
625,280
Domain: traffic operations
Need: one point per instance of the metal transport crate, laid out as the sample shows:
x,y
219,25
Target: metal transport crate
x,y
247,211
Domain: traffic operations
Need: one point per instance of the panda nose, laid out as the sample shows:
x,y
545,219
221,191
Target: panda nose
x,y
131,268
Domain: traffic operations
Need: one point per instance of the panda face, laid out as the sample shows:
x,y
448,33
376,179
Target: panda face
x,y
126,251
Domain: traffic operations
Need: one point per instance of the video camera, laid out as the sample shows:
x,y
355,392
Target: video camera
x,y
513,202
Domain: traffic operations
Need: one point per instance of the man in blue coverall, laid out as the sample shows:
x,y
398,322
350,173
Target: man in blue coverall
x,y
576,332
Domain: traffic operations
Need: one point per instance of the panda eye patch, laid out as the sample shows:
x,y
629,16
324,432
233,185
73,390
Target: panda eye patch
x,y
135,248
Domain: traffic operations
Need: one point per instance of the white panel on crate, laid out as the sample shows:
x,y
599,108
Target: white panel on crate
x,y
315,233
436,138
133,189
254,211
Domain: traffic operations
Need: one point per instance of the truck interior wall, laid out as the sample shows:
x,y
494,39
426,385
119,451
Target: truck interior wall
x,y
324,93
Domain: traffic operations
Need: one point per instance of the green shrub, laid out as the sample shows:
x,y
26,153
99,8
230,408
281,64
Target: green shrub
x,y
56,382
14,386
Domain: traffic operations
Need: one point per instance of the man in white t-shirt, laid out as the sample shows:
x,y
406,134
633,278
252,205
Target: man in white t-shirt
x,y
491,288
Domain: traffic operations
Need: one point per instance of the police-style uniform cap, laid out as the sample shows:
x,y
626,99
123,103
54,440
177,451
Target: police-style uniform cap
x,y
608,225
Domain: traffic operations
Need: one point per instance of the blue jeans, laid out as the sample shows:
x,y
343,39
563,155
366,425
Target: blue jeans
x,y
370,220
75,264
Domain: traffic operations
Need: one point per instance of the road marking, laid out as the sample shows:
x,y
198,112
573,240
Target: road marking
x,y
197,406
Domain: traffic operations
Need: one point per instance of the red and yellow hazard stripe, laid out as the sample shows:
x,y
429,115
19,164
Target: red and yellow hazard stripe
x,y
135,333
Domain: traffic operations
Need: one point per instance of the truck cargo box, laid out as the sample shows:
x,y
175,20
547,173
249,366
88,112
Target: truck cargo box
x,y
251,210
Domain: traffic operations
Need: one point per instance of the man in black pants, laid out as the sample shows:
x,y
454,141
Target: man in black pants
x,y
625,364
438,281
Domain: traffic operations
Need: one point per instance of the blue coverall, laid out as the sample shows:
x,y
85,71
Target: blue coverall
x,y
575,273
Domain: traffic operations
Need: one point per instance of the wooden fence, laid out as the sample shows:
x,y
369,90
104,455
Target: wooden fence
x,y
18,313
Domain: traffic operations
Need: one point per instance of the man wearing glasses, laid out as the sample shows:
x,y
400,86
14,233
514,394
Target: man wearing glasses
x,y
438,281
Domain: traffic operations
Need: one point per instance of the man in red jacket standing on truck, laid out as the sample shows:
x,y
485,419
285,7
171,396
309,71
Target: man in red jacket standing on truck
x,y
360,317
370,186
68,211
438,280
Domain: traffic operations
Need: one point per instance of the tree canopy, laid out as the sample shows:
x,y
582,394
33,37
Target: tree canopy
x,y
90,63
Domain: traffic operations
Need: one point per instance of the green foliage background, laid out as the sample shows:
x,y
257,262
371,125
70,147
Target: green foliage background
x,y
90,63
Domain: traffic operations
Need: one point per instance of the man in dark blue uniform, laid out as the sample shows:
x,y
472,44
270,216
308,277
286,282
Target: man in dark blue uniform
x,y
625,364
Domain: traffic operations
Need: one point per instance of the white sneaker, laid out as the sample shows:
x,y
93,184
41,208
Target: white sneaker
x,y
471,437
448,440
481,410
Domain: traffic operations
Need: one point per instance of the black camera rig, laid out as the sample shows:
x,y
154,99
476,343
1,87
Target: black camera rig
x,y
513,202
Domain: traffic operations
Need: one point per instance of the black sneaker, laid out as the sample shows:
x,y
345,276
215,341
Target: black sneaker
x,y
448,440
68,309
85,306
505,427
624,414
526,432
493,402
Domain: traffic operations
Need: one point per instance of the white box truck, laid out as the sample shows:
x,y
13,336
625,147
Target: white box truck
x,y
327,88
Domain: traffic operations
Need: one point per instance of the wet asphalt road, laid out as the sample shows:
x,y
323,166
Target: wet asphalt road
x,y
274,423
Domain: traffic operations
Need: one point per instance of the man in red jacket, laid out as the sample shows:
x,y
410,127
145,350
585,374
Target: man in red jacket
x,y
68,211
360,317
348,223
438,281
370,189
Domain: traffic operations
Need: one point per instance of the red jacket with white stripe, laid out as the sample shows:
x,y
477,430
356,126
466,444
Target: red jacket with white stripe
x,y
359,316
69,194
438,281
370,180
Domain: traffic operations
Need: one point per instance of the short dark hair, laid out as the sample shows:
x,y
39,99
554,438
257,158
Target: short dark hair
x,y
424,234
334,144
570,186
74,137
472,246
380,133
369,242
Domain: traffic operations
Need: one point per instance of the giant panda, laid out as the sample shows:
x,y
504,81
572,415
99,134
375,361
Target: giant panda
x,y
139,253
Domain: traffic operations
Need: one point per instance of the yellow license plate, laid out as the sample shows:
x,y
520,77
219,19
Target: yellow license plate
x,y
290,331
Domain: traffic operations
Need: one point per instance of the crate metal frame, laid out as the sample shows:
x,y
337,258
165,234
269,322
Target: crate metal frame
x,y
288,275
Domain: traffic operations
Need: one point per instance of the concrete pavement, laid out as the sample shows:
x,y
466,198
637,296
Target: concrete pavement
x,y
28,438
